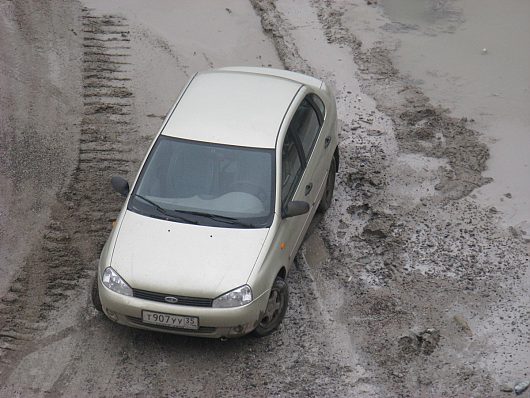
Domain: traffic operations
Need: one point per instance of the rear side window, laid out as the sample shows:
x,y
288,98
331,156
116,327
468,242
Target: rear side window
x,y
306,125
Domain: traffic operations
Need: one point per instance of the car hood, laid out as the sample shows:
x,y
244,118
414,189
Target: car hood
x,y
184,259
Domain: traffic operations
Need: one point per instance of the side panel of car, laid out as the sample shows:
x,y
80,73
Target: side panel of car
x,y
317,156
298,183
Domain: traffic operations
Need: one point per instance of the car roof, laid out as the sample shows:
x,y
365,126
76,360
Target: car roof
x,y
233,108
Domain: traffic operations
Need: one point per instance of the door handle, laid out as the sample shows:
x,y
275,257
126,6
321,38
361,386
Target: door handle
x,y
308,188
327,141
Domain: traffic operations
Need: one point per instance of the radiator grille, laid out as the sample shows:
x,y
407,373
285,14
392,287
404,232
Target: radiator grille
x,y
181,300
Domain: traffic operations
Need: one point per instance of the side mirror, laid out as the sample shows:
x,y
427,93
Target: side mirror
x,y
296,208
120,185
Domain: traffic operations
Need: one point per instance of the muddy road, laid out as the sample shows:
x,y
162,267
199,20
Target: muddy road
x,y
406,287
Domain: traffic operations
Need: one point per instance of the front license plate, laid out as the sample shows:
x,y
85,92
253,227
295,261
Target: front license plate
x,y
173,321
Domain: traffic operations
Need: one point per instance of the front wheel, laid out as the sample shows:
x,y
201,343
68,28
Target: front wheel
x,y
275,311
327,197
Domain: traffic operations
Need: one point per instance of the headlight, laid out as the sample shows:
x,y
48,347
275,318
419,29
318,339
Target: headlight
x,y
114,282
235,298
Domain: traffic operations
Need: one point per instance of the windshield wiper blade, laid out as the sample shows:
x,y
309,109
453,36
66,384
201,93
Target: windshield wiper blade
x,y
218,217
165,211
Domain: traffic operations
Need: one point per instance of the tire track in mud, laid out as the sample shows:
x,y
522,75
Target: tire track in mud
x,y
81,220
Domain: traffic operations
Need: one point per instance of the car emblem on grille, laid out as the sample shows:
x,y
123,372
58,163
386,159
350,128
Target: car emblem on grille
x,y
171,300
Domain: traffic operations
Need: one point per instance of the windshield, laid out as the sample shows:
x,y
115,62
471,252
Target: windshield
x,y
207,184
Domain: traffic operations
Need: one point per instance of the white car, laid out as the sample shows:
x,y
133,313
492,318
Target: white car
x,y
213,221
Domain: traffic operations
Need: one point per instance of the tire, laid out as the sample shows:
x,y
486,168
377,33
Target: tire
x,y
327,198
95,294
275,311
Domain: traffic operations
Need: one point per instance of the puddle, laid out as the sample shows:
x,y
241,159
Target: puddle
x,y
427,16
472,56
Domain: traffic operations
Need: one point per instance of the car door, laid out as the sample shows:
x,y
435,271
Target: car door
x,y
304,166
293,178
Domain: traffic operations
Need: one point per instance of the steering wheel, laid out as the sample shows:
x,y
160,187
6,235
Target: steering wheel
x,y
249,187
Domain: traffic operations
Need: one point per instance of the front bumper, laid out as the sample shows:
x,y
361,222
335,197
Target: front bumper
x,y
213,322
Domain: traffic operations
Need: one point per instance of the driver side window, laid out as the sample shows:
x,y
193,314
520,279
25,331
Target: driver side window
x,y
291,169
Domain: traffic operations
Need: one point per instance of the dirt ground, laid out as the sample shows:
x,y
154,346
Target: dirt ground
x,y
405,287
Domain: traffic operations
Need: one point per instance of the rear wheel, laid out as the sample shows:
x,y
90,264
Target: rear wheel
x,y
95,294
327,198
276,307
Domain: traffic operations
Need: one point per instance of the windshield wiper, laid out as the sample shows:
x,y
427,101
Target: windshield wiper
x,y
165,211
220,218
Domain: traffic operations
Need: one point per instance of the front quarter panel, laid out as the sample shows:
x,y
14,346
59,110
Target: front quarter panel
x,y
105,257
269,263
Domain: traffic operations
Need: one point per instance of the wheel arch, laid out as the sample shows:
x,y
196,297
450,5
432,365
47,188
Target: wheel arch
x,y
282,273
336,158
